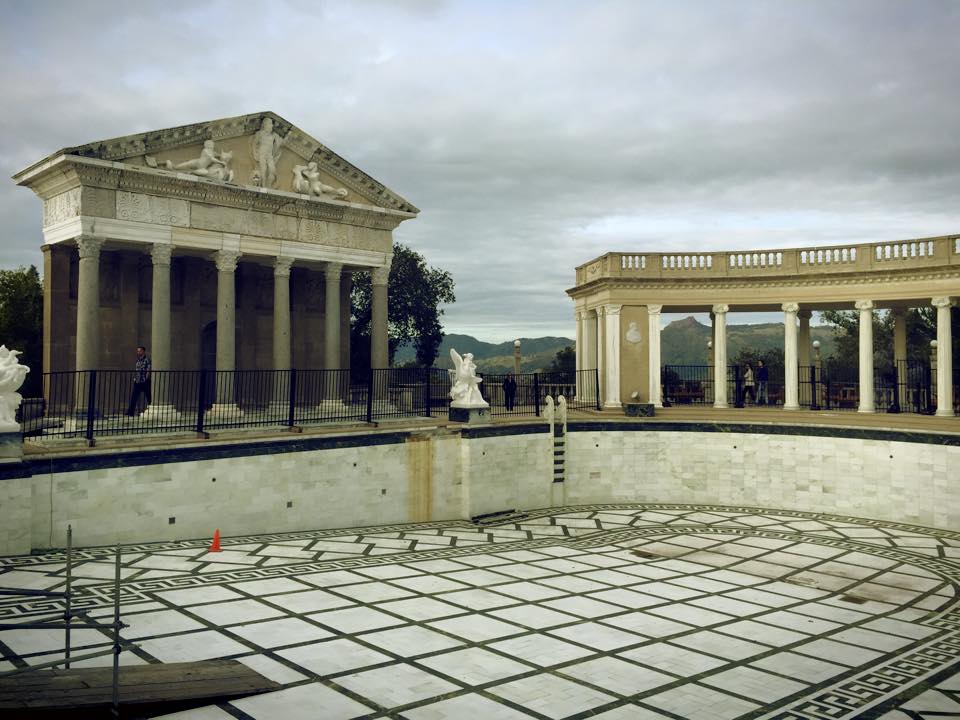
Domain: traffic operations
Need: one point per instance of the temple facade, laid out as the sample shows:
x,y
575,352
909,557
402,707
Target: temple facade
x,y
228,244
619,298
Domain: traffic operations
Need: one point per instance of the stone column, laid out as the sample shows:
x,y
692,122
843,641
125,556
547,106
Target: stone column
x,y
867,404
379,349
900,353
226,261
611,351
720,356
602,352
160,325
791,385
88,304
581,349
331,316
346,287
282,355
944,357
653,326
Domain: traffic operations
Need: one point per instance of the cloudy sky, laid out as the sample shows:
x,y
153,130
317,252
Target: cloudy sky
x,y
532,135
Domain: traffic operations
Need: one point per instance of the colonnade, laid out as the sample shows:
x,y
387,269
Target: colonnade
x,y
598,346
88,306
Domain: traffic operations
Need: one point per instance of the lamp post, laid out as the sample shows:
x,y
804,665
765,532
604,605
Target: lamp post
x,y
932,398
710,370
814,377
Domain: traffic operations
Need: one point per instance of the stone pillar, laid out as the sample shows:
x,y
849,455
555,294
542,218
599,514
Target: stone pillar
x,y
867,404
611,352
282,355
379,349
331,316
653,320
602,352
944,357
160,323
900,353
88,304
346,288
226,261
720,356
590,358
791,380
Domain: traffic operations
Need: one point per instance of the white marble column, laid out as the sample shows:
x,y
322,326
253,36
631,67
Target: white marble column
x,y
88,304
226,262
900,353
611,352
720,356
379,349
867,403
791,385
581,349
160,330
331,316
591,356
653,327
282,352
944,357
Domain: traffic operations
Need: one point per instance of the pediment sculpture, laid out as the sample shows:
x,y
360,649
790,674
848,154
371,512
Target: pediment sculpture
x,y
306,180
265,145
210,164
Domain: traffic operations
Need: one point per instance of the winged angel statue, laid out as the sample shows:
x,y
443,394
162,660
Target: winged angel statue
x,y
12,375
465,392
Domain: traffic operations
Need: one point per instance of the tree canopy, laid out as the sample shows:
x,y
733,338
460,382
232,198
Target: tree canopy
x,y
21,321
564,361
415,293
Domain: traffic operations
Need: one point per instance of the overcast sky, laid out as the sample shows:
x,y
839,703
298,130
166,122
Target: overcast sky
x,y
533,135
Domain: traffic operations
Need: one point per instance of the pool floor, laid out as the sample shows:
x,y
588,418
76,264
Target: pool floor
x,y
602,611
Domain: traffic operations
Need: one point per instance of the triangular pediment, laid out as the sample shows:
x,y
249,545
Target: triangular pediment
x,y
247,151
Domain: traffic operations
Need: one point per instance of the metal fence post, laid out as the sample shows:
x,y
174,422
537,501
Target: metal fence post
x,y
814,403
426,391
737,386
895,404
370,385
201,399
826,391
91,405
928,383
291,408
536,394
596,387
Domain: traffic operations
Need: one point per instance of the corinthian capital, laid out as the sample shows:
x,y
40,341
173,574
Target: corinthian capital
x,y
226,260
161,254
89,247
863,305
790,308
720,309
333,270
654,309
940,302
281,266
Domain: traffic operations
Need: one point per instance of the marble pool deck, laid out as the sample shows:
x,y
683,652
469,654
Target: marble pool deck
x,y
618,612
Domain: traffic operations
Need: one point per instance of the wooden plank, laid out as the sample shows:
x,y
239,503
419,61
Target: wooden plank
x,y
139,684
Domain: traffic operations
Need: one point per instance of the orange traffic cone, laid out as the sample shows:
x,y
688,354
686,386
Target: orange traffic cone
x,y
215,545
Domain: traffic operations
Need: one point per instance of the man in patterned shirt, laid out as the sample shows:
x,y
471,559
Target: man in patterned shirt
x,y
141,380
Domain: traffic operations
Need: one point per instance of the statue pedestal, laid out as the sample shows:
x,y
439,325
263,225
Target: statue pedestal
x,y
470,416
11,444
638,409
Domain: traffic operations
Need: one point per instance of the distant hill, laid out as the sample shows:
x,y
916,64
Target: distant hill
x,y
537,353
684,342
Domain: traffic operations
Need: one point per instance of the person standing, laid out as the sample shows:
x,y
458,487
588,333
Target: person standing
x,y
763,376
748,386
141,380
509,391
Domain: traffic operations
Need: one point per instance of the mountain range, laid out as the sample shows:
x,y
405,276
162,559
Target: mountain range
x,y
682,342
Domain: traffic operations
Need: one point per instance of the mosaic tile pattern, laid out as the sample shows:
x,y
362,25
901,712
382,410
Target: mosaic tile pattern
x,y
607,611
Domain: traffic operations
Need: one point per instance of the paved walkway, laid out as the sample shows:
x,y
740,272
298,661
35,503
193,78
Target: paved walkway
x,y
613,612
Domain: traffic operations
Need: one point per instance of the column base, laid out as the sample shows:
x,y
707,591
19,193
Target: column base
x,y
162,414
223,411
866,410
790,407
611,404
944,412
720,405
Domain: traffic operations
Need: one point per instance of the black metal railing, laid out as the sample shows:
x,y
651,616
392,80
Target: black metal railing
x,y
98,403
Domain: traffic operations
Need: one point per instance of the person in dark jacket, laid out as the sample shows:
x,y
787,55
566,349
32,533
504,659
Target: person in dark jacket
x,y
509,391
141,380
763,375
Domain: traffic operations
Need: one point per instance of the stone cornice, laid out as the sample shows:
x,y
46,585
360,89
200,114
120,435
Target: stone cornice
x,y
70,171
723,283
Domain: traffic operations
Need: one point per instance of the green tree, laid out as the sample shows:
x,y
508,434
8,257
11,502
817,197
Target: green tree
x,y
21,321
565,360
415,292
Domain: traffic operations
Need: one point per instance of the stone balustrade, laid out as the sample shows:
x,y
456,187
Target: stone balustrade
x,y
878,257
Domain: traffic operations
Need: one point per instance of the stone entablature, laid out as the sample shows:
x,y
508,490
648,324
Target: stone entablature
x,y
768,272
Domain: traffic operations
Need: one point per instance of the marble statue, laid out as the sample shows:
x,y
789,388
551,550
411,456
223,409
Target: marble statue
x,y
12,375
266,152
465,392
633,335
306,180
210,164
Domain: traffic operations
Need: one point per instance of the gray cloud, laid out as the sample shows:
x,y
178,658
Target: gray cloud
x,y
534,136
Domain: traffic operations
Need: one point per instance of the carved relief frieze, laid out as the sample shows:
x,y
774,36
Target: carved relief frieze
x,y
221,219
152,209
98,202
94,176
61,207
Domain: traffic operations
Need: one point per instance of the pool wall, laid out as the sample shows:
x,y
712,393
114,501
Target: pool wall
x,y
384,477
